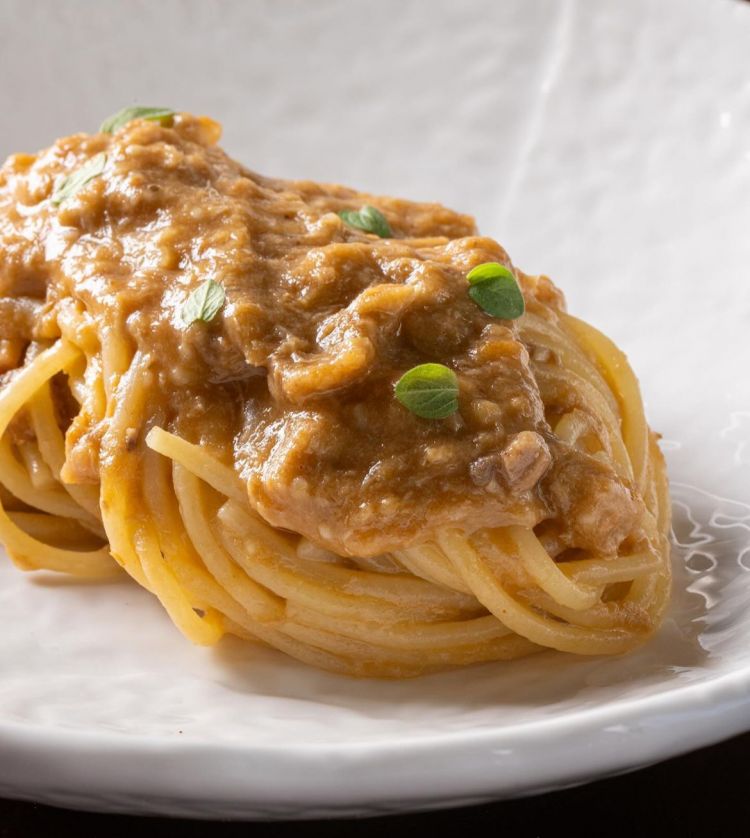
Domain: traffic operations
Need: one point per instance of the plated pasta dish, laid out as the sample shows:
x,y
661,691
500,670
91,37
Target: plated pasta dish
x,y
339,424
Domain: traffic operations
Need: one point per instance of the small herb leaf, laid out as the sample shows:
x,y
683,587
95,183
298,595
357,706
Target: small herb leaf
x,y
493,287
204,303
369,219
67,186
116,121
429,391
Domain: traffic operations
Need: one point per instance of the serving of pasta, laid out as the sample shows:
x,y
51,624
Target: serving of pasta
x,y
342,425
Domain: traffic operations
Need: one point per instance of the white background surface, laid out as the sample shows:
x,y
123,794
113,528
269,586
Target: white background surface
x,y
606,144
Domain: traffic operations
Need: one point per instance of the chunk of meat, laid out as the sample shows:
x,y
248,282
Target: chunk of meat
x,y
525,459
597,510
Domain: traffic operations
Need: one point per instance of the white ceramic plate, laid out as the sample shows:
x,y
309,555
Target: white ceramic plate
x,y
607,144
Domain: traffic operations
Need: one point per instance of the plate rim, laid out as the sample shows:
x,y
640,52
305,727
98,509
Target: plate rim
x,y
174,775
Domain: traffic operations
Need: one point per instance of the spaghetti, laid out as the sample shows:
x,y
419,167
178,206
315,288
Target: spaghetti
x,y
199,391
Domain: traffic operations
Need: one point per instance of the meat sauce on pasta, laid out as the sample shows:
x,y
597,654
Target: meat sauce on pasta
x,y
341,424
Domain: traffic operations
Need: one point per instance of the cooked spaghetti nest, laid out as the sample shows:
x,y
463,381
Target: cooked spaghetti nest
x,y
104,469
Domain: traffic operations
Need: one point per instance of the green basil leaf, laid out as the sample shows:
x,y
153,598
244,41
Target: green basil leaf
x,y
67,186
429,390
204,303
116,121
493,287
369,219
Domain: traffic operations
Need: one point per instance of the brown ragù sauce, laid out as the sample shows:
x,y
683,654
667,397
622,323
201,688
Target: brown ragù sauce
x,y
293,380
